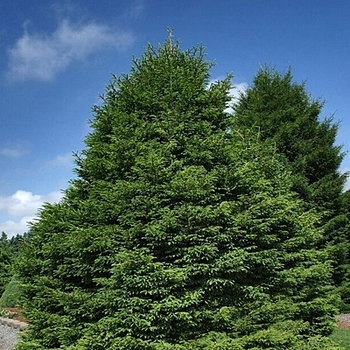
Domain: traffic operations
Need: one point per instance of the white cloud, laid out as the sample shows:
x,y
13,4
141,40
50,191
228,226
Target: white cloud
x,y
62,160
12,228
11,152
237,90
41,57
24,203
347,184
23,207
234,94
15,150
136,10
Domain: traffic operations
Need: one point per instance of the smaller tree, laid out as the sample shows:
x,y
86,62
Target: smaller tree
x,y
285,115
283,112
11,295
6,260
344,271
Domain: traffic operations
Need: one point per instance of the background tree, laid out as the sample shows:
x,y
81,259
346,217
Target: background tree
x,y
18,240
284,113
177,233
9,286
6,260
345,212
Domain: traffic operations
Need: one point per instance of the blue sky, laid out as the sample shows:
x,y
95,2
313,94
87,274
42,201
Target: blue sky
x,y
57,57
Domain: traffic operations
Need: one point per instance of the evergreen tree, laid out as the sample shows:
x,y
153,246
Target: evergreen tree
x,y
283,112
345,271
15,242
178,233
6,260
285,115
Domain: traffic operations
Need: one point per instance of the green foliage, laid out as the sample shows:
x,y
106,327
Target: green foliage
x,y
6,260
285,115
345,269
11,295
283,112
18,240
8,252
178,233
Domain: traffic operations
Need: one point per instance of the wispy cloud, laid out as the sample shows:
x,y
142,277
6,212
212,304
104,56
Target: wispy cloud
x,y
22,207
135,10
347,184
42,56
235,92
15,150
61,160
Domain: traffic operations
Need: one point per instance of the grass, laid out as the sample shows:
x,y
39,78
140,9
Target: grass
x,y
342,337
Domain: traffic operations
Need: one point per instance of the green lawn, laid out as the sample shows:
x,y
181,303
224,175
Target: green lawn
x,y
342,336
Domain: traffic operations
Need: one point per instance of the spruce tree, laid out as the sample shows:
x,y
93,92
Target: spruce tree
x,y
345,268
285,115
178,232
282,111
6,260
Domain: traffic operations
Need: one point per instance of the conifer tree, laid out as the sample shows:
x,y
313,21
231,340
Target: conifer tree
x,y
284,114
344,273
178,233
6,260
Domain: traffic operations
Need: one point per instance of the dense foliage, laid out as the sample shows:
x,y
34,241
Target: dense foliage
x,y
345,285
283,113
179,232
6,260
11,297
9,288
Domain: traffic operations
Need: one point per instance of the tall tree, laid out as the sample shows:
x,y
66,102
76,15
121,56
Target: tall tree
x,y
177,233
284,114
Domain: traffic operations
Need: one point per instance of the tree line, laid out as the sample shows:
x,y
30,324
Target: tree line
x,y
190,227
9,248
